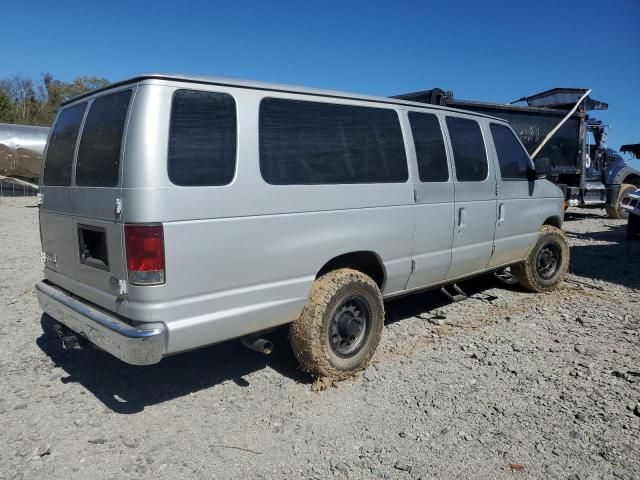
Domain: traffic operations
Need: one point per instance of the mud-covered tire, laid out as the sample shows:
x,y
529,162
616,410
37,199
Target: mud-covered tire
x,y
633,227
618,212
534,273
311,339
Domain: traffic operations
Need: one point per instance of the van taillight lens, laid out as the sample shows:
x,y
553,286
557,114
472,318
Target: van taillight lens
x,y
145,254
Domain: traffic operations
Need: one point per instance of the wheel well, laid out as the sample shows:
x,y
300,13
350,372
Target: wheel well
x,y
553,221
633,180
366,262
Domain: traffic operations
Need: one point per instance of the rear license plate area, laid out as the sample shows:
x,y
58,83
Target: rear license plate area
x,y
92,243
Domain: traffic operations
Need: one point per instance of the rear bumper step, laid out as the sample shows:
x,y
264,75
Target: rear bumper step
x,y
133,345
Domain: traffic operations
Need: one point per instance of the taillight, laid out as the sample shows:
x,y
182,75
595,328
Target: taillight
x,y
626,200
145,254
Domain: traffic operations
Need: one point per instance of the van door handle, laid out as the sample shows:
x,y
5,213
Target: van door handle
x,y
501,213
462,218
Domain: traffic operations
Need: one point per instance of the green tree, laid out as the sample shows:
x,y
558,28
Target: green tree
x,y
7,112
56,91
35,103
21,92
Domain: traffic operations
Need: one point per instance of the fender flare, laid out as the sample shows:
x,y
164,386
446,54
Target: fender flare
x,y
618,176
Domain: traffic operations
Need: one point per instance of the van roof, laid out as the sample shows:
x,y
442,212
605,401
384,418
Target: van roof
x,y
274,87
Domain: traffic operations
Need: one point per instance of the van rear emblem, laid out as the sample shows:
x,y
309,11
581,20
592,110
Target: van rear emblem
x,y
49,257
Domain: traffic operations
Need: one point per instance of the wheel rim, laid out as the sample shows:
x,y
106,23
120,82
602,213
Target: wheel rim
x,y
350,326
548,260
622,212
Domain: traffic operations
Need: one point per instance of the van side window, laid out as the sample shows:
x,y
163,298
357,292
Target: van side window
x,y
311,143
514,161
99,151
430,151
62,145
202,139
469,153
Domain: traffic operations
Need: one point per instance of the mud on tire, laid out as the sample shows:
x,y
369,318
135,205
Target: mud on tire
x,y
547,262
617,211
340,325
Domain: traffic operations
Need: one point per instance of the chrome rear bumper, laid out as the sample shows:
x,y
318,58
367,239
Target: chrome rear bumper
x,y
133,345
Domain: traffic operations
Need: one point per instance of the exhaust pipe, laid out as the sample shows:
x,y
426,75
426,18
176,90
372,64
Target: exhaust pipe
x,y
258,344
70,340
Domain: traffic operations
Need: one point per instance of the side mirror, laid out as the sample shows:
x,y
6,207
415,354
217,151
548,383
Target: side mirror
x,y
541,168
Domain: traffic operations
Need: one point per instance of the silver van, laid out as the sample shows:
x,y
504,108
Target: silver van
x,y
178,212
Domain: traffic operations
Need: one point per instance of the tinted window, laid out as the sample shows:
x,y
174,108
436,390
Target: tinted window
x,y
561,149
57,166
430,151
305,143
99,151
202,138
468,149
513,160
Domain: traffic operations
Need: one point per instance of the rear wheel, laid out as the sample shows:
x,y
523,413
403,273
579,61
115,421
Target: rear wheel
x,y
633,227
340,325
616,211
547,262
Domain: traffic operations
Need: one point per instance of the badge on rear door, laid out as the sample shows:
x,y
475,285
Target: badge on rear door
x,y
49,257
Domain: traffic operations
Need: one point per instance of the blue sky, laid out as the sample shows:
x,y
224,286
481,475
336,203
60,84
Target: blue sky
x,y
495,51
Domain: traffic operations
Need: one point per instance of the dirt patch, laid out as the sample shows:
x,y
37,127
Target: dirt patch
x,y
505,384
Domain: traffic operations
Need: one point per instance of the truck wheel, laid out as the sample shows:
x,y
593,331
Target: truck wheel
x,y
547,262
617,212
340,325
633,227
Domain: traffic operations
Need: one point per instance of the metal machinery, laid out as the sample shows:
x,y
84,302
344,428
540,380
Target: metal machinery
x,y
21,149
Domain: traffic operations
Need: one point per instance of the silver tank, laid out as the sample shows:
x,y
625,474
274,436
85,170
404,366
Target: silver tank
x,y
21,148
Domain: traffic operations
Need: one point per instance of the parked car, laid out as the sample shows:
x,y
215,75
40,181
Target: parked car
x,y
179,212
631,203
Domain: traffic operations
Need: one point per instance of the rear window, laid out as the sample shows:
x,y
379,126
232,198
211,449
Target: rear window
x,y
469,154
430,151
202,138
57,165
310,143
99,151
513,160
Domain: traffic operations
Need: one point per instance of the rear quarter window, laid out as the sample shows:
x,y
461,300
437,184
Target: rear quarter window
x,y
313,143
469,154
202,139
98,162
62,144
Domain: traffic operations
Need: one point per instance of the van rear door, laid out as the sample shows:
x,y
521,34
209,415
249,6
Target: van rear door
x,y
82,235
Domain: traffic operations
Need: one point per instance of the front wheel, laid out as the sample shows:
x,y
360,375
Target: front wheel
x,y
340,325
547,262
617,211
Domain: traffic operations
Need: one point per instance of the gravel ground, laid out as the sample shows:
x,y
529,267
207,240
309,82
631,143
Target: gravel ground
x,y
506,384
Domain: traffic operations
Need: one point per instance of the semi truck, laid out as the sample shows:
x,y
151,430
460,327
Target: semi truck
x,y
577,156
